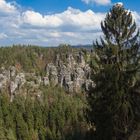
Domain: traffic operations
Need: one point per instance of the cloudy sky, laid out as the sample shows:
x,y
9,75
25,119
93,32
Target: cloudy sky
x,y
53,22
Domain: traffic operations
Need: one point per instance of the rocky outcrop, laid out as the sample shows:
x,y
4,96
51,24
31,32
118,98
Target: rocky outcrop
x,y
17,83
52,74
12,81
73,75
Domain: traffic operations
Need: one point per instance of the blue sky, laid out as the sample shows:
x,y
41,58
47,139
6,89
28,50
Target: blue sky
x,y
53,22
47,6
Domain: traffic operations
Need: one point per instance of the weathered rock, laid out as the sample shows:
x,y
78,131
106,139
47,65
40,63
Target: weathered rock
x,y
17,83
69,87
70,61
78,84
89,84
72,74
52,73
3,80
12,71
81,60
46,81
6,73
20,79
80,73
87,71
13,87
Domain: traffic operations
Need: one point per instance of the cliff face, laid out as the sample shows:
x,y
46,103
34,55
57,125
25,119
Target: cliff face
x,y
73,74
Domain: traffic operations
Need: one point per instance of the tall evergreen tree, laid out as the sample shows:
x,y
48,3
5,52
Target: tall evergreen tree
x,y
117,56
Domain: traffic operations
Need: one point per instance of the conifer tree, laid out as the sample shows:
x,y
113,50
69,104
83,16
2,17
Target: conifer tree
x,y
117,56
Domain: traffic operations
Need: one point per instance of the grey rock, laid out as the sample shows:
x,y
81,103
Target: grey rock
x,y
20,79
89,84
46,81
13,87
80,73
69,86
73,74
3,80
70,61
52,73
87,71
17,83
81,60
12,71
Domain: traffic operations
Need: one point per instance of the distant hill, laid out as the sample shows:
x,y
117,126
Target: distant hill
x,y
88,46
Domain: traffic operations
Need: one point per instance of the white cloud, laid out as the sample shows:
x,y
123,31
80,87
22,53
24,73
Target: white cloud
x,y
3,35
73,26
36,19
136,16
71,18
7,7
99,2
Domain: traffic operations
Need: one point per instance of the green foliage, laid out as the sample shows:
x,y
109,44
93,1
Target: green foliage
x,y
54,116
32,58
117,64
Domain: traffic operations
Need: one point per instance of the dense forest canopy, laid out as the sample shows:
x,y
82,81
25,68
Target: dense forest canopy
x,y
33,58
108,110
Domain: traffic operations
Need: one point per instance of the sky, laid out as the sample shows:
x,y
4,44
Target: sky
x,y
54,22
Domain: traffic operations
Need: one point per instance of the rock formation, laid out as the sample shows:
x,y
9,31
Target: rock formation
x,y
73,75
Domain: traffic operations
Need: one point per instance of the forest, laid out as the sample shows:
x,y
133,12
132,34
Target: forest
x,y
109,110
